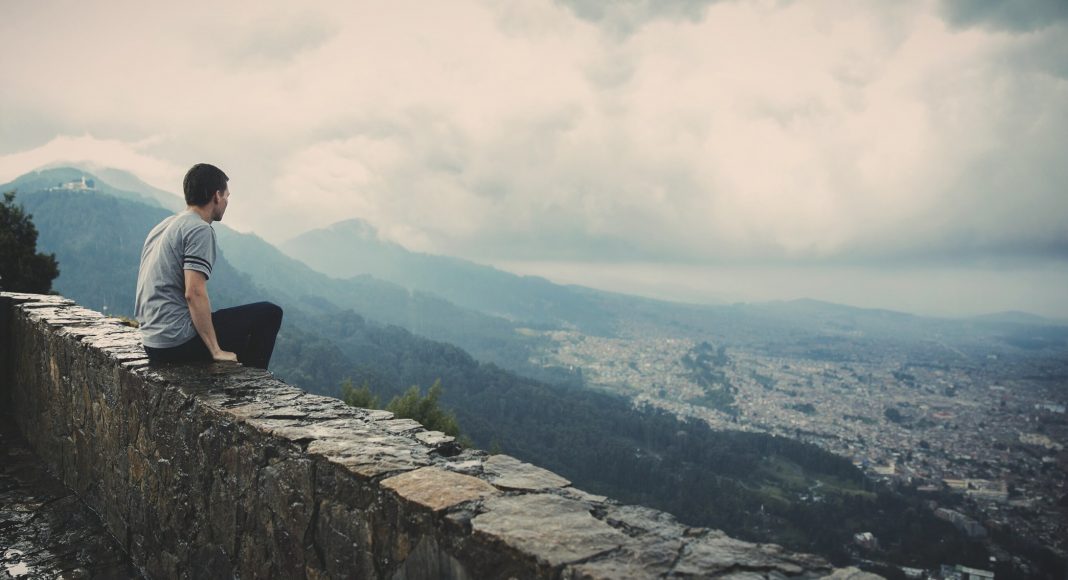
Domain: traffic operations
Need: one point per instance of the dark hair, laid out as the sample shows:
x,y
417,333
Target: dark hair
x,y
201,182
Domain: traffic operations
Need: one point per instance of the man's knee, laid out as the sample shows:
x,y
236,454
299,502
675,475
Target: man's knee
x,y
272,312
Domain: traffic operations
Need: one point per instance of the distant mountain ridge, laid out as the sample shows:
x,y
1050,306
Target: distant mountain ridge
x,y
112,182
97,231
1013,317
86,226
353,247
128,181
488,338
480,308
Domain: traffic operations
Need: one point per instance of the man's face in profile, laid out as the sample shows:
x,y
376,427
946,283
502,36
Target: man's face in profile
x,y
221,201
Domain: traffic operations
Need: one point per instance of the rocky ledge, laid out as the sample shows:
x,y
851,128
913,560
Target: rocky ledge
x,y
218,470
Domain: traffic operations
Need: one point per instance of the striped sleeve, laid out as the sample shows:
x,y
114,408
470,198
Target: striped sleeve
x,y
199,252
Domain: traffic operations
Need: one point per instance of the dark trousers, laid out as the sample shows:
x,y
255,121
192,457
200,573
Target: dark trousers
x,y
248,331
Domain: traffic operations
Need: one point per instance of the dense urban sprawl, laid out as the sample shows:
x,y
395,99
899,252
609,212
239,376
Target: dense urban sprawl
x,y
989,427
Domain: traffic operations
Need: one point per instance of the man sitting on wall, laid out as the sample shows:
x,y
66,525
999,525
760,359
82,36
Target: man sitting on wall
x,y
172,305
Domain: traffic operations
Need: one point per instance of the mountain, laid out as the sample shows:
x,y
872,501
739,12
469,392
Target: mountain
x,y
810,327
130,182
353,247
488,338
453,300
78,180
97,239
86,221
1013,317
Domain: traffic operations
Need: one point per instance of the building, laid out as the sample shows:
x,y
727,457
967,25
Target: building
x,y
82,184
963,523
1040,440
1050,407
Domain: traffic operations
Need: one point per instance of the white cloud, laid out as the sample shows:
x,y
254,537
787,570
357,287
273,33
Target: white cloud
x,y
679,132
87,149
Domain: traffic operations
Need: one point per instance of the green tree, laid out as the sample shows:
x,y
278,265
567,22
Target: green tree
x,y
894,415
358,397
412,405
22,269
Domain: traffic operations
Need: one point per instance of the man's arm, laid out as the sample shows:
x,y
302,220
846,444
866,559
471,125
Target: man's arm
x,y
196,295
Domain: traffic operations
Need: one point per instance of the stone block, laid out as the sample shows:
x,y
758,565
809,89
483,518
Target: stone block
x,y
507,472
438,489
553,530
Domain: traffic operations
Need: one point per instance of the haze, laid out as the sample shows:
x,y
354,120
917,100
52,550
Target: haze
x,y
904,155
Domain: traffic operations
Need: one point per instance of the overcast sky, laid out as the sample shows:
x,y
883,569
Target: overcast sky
x,y
908,154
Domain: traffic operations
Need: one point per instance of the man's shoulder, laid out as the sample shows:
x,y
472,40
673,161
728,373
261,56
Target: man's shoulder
x,y
162,225
179,229
188,221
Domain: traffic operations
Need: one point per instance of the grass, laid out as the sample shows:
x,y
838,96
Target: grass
x,y
786,479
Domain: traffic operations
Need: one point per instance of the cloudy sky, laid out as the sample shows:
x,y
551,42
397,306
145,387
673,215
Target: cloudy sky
x,y
907,155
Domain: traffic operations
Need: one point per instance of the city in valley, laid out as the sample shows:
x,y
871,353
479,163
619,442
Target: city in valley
x,y
978,422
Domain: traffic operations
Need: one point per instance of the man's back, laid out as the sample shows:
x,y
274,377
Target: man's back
x,y
181,242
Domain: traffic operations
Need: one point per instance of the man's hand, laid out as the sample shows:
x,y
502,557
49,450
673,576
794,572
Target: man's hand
x,y
224,356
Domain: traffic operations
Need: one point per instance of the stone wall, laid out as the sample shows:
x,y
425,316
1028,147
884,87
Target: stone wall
x,y
217,470
45,530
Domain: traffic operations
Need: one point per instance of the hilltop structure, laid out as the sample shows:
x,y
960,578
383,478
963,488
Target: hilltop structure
x,y
82,184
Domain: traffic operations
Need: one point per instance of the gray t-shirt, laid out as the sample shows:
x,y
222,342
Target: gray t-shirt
x,y
181,242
